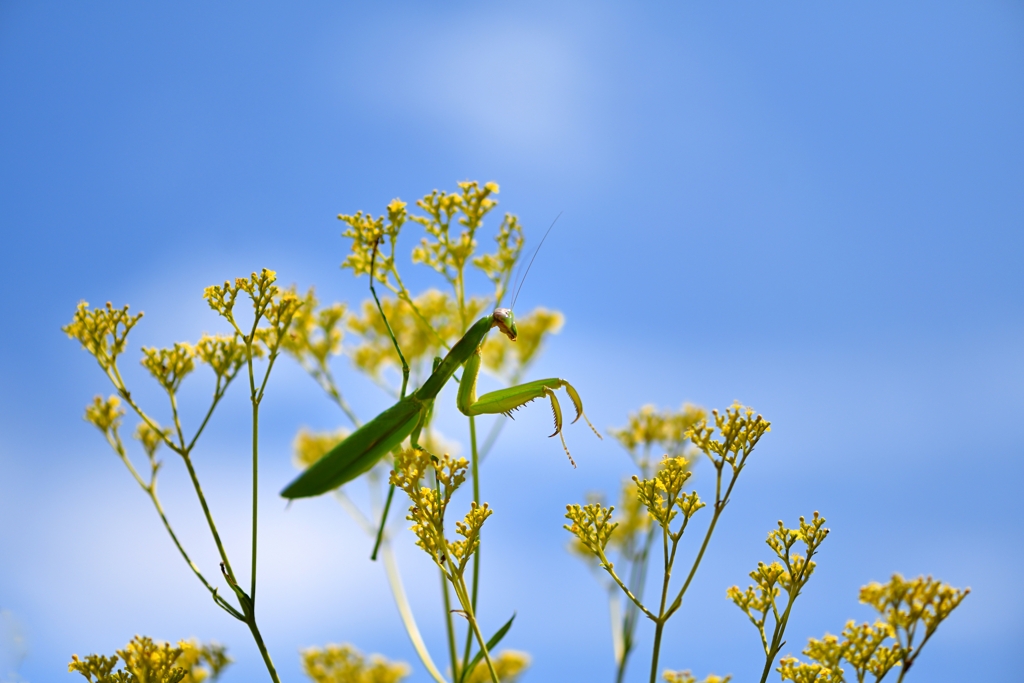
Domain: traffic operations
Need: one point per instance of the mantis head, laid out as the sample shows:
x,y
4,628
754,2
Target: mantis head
x,y
505,321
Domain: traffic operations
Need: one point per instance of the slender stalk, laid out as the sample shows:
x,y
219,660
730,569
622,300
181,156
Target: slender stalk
x,y
114,375
255,490
251,622
663,617
638,578
150,489
167,525
402,292
326,381
383,518
449,626
659,628
177,420
460,591
475,466
777,642
218,394
209,517
720,503
625,589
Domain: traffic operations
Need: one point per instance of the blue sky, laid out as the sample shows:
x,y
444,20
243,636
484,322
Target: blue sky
x,y
815,209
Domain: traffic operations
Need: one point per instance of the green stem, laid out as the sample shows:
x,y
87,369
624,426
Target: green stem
x,y
218,394
475,465
325,379
251,622
209,517
449,626
659,627
460,592
777,642
638,578
184,555
150,489
720,502
663,617
383,520
402,292
255,490
607,566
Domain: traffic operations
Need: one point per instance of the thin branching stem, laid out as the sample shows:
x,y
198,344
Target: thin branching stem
x,y
208,515
475,469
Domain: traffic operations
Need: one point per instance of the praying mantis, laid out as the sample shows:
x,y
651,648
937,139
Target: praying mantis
x,y
364,447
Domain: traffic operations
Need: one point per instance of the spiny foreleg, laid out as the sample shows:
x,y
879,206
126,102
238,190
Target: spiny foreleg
x,y
504,401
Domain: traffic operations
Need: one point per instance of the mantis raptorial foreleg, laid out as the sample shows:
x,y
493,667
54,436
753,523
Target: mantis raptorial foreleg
x,y
505,401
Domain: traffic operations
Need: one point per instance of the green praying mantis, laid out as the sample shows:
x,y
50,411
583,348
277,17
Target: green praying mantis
x,y
364,447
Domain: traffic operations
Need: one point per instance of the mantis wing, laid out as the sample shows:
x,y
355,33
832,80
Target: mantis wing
x,y
359,452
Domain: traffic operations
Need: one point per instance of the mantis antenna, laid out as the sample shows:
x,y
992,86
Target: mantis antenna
x,y
520,284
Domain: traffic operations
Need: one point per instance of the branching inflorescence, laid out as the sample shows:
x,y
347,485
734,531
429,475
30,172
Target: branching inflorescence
x,y
666,502
103,332
398,341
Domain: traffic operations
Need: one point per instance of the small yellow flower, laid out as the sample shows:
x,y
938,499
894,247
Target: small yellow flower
x,y
591,524
103,332
345,664
508,664
106,414
309,447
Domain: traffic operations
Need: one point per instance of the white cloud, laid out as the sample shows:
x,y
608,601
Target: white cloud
x,y
521,87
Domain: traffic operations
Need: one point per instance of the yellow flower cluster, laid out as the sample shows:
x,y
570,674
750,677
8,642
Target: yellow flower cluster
x,y
633,518
862,648
309,447
169,366
149,661
429,506
740,431
315,334
345,664
102,331
366,231
106,414
663,495
591,525
889,642
687,677
792,669
445,253
789,575
268,302
469,529
151,439
421,328
225,354
668,430
903,603
508,664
